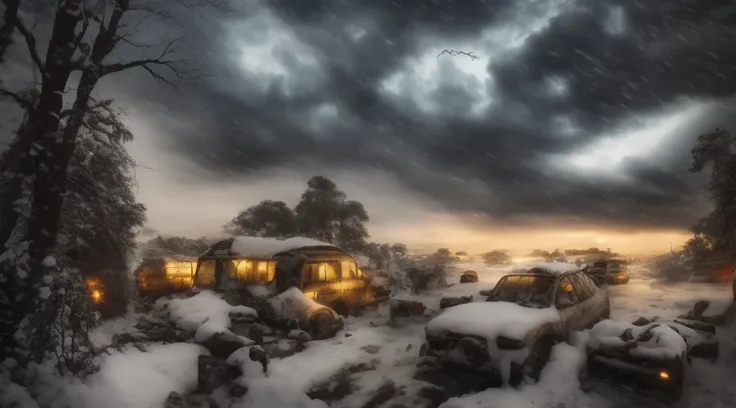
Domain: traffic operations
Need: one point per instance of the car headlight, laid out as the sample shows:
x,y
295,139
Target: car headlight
x,y
505,343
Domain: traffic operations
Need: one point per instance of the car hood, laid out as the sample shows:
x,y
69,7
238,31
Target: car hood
x,y
491,320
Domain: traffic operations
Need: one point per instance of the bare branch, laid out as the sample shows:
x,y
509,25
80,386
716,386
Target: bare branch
x,y
25,104
179,68
453,53
85,25
31,43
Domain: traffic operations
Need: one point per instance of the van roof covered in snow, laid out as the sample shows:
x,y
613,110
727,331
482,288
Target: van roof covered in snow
x,y
553,268
265,248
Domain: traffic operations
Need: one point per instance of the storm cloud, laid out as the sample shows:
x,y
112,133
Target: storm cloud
x,y
583,111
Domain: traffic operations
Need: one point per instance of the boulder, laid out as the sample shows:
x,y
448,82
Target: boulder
x,y
223,344
642,321
406,308
256,332
299,335
469,277
259,355
243,314
175,400
708,350
214,372
700,307
282,348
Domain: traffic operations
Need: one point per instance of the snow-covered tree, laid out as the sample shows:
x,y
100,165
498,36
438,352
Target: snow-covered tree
x,y
161,246
100,214
271,219
717,149
323,213
82,40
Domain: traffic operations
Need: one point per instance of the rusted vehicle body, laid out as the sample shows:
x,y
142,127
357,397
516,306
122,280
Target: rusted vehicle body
x,y
512,334
329,275
609,271
650,353
253,271
164,276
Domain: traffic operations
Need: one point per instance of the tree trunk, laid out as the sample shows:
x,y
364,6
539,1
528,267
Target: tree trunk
x,y
43,148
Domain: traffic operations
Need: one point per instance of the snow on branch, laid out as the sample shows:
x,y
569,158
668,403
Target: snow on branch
x,y
454,53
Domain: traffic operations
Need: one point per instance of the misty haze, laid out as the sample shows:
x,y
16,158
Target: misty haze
x,y
367,203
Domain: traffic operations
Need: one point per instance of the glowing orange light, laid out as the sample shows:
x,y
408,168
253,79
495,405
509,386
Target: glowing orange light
x,y
96,295
664,375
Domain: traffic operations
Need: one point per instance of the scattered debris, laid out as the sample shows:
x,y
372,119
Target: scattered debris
x,y
214,372
454,301
384,393
405,308
175,400
223,344
469,277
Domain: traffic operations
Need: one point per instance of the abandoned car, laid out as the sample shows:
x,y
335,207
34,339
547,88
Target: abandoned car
x,y
609,271
653,353
251,271
513,332
156,277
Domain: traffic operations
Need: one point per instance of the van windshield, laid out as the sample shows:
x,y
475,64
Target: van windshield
x,y
524,290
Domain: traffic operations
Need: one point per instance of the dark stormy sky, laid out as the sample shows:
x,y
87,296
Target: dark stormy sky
x,y
572,128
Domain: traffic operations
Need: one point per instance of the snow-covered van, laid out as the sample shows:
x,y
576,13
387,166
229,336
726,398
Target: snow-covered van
x,y
248,268
513,332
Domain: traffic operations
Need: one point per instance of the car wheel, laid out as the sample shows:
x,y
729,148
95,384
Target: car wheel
x,y
607,311
676,388
341,309
537,359
322,325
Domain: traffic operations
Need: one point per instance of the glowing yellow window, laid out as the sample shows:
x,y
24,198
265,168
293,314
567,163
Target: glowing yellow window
x,y
245,271
348,270
206,273
262,269
327,272
271,271
179,272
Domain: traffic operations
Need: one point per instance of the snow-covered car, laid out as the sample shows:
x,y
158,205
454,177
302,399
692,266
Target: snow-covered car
x,y
513,332
653,353
609,271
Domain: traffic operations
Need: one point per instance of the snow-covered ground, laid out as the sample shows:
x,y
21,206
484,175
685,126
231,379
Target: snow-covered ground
x,y
377,363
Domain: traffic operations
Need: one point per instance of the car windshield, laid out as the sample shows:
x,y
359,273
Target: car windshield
x,y
524,290
599,264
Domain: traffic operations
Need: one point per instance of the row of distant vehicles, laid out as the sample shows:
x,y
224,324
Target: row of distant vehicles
x,y
526,313
512,334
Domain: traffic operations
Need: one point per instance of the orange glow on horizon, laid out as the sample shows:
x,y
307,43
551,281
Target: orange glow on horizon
x,y
457,234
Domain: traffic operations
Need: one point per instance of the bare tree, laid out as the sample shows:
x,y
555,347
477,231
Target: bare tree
x,y
35,167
